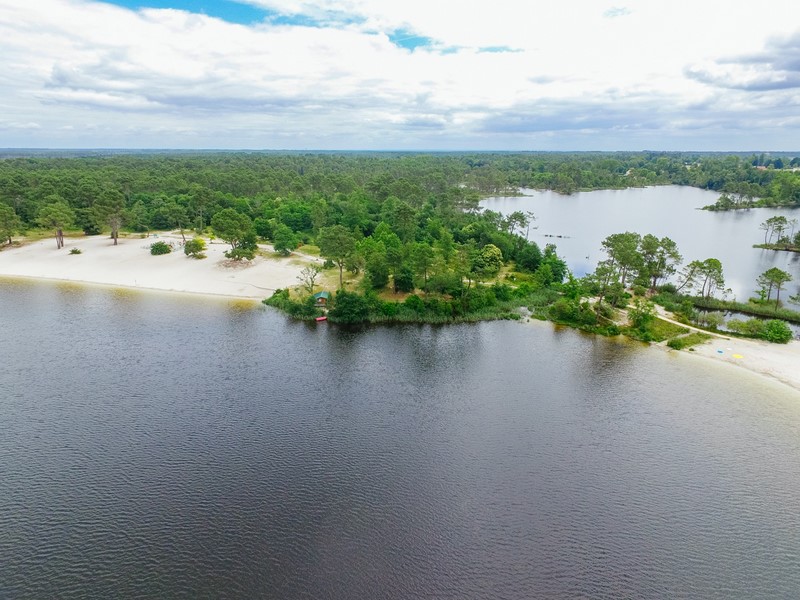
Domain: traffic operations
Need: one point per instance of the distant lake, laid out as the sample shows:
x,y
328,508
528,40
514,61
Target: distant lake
x,y
155,446
584,219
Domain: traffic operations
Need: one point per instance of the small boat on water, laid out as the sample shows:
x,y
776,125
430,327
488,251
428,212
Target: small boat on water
x,y
323,318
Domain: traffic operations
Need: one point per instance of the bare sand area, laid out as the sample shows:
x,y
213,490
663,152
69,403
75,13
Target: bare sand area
x,y
778,361
130,264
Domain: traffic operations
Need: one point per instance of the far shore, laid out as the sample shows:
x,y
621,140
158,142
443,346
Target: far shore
x,y
130,264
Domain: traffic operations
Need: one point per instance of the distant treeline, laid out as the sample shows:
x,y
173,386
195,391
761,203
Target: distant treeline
x,y
207,182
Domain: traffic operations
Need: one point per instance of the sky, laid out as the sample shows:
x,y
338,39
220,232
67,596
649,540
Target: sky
x,y
401,75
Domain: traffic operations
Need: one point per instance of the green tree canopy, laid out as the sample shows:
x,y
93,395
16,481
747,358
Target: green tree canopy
x,y
488,261
338,244
56,215
231,226
773,279
10,223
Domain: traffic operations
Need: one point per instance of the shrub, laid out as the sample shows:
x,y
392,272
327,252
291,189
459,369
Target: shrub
x,y
246,248
75,251
573,311
686,341
502,292
157,248
751,327
404,280
777,331
349,307
415,303
194,248
305,310
774,330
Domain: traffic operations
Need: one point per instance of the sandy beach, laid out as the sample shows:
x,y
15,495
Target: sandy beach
x,y
130,264
778,361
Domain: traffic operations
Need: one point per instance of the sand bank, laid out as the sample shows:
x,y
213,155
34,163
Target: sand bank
x,y
779,361
130,264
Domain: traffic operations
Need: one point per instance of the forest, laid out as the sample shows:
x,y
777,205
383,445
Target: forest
x,y
404,225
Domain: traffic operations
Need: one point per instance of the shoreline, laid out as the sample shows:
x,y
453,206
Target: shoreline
x,y
776,362
130,265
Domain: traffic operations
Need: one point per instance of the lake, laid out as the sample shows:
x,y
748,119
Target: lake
x,y
156,446
585,219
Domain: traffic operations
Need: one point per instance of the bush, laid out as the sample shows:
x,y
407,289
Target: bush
x,y
195,248
502,292
686,341
75,251
246,248
404,280
573,311
774,330
415,303
349,307
305,310
157,248
751,327
777,331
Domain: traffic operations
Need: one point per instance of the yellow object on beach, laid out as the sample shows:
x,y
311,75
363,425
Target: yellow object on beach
x,y
738,356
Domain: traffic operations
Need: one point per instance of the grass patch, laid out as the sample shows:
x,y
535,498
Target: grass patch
x,y
657,330
663,330
686,341
309,249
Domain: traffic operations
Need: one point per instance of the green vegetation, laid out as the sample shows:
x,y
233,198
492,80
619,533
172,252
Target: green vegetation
x,y
195,248
10,223
157,248
780,234
308,277
687,341
749,308
56,215
75,251
774,330
405,231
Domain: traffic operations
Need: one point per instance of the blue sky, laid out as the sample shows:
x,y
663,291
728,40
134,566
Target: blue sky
x,y
233,12
411,75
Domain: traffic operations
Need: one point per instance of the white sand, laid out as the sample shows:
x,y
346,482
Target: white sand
x,y
130,264
779,361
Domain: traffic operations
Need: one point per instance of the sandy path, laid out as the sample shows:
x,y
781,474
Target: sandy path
x,y
130,264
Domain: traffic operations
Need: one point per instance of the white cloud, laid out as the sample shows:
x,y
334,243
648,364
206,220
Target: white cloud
x,y
80,69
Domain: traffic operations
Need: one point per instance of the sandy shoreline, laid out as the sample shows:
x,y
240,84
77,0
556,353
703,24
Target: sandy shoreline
x,y
777,361
130,265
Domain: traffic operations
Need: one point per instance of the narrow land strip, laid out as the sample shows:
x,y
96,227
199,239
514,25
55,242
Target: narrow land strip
x,y
130,264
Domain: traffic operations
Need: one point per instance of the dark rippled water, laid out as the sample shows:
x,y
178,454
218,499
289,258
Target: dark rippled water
x,y
159,447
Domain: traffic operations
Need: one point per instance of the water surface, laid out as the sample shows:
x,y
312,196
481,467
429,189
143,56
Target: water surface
x,y
153,446
578,223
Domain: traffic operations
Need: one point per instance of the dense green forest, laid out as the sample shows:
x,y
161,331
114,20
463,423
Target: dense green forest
x,y
398,222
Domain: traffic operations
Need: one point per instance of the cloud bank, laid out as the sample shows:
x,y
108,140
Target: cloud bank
x,y
369,74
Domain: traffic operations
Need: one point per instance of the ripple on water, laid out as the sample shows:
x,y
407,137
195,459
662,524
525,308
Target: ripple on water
x,y
219,452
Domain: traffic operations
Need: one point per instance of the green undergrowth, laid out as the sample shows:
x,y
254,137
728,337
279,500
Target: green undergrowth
x,y
657,330
687,341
